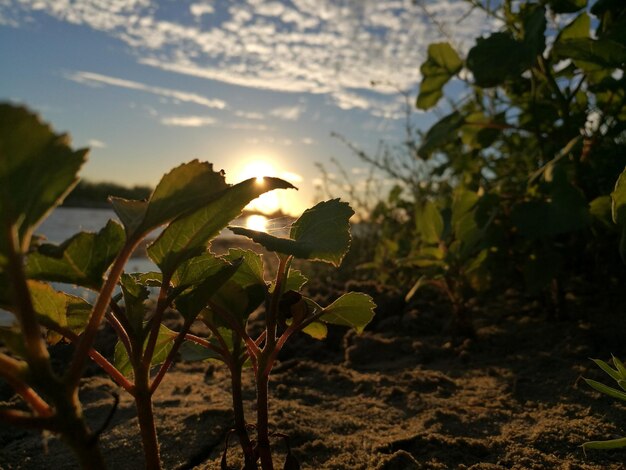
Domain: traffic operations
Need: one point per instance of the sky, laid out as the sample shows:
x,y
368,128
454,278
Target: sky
x,y
252,86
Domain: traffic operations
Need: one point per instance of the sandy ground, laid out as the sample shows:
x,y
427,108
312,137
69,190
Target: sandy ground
x,y
404,395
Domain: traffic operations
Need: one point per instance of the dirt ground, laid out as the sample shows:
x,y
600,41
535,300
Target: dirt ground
x,y
403,395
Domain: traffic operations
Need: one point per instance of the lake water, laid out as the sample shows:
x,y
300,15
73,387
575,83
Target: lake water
x,y
64,222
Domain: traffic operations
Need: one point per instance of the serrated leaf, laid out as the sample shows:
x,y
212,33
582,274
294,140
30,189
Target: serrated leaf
x,y
295,281
195,270
193,301
135,295
37,169
181,191
163,346
81,260
321,233
353,309
442,64
58,308
190,235
251,269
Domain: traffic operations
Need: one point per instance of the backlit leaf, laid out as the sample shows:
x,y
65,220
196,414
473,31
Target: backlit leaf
x,y
442,64
37,169
321,233
181,191
81,260
353,309
190,235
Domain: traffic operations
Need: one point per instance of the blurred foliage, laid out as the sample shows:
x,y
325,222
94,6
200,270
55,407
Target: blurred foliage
x,y
510,186
91,194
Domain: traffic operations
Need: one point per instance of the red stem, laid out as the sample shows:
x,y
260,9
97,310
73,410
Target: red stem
x,y
170,356
86,340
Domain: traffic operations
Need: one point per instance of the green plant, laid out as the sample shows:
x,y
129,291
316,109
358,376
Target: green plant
x,y
452,248
193,203
320,234
619,375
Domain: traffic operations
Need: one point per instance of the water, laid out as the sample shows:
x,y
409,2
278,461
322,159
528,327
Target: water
x,y
64,222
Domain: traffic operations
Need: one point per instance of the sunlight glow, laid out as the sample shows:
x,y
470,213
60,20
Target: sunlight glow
x,y
257,222
268,202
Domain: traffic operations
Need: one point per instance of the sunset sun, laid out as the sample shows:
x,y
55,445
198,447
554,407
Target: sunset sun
x,y
268,202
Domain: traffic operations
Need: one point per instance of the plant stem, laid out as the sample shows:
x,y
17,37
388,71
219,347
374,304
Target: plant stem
x,y
145,416
99,310
240,420
162,304
262,424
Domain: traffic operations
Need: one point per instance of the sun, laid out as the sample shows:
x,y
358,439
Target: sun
x,y
269,202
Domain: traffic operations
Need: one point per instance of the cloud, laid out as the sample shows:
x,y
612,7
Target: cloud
x,y
96,144
250,115
307,141
288,113
188,121
201,9
96,79
329,47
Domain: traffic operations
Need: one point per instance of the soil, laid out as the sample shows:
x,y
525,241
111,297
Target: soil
x,y
403,395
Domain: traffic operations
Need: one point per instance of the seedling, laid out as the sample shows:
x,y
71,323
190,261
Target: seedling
x,y
320,234
193,201
619,376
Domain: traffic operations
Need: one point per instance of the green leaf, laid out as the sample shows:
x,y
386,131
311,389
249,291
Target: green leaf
x,y
193,301
618,200
612,392
578,28
567,6
615,375
442,64
196,270
534,33
600,209
56,308
81,260
353,309
620,367
428,222
295,281
37,170
135,295
251,270
316,330
494,59
440,133
322,233
190,235
604,445
602,52
163,346
12,339
181,191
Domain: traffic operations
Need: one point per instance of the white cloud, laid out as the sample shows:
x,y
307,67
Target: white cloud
x,y
307,141
288,113
96,79
200,9
326,47
188,121
96,144
252,115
